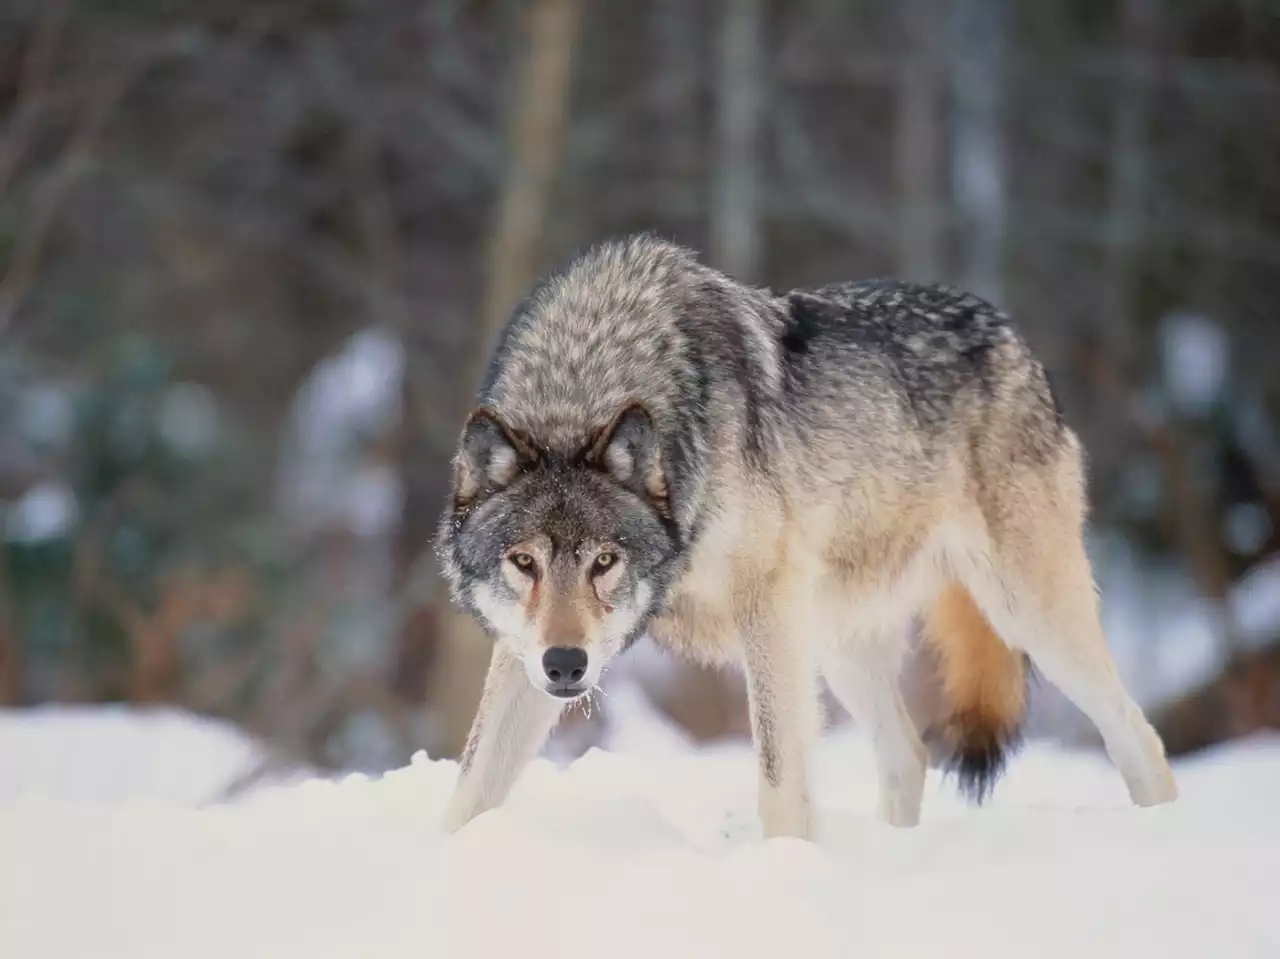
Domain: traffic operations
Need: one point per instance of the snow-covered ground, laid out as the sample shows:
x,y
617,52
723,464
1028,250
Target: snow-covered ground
x,y
109,846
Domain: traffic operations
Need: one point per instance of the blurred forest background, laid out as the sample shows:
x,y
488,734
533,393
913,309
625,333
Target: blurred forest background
x,y
253,253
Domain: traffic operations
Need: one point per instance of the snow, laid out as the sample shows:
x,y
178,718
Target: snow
x,y
108,755
45,511
348,398
644,852
1197,360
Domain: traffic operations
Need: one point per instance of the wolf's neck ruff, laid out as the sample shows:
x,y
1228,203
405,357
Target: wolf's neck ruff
x,y
790,483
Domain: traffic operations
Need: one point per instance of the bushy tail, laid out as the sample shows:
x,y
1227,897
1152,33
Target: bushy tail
x,y
984,692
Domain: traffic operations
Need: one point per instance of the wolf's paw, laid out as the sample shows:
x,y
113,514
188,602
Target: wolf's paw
x,y
785,815
1155,789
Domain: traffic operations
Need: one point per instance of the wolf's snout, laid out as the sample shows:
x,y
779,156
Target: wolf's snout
x,y
565,666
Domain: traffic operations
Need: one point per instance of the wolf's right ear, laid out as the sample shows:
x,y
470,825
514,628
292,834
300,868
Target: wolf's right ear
x,y
489,457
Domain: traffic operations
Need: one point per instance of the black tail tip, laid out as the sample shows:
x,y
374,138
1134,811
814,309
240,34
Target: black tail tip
x,y
976,753
978,766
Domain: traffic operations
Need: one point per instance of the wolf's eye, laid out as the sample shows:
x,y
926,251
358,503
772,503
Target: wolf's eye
x,y
604,561
522,561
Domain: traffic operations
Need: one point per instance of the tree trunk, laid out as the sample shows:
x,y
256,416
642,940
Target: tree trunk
x,y
678,60
978,154
918,144
739,90
537,134
1128,171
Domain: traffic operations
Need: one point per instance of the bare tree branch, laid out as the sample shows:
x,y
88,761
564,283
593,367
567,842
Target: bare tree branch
x,y
53,192
35,81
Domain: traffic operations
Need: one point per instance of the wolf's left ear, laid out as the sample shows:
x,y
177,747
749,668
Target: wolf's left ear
x,y
630,450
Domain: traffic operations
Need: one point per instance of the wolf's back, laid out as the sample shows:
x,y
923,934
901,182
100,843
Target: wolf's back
x,y
947,353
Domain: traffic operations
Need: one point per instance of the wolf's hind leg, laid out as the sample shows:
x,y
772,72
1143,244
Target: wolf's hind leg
x,y
511,724
1038,593
863,672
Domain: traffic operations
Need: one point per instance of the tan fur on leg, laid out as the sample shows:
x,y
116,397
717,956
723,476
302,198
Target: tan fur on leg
x,y
512,723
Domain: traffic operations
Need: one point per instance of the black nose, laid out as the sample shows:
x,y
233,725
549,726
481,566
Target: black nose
x,y
565,664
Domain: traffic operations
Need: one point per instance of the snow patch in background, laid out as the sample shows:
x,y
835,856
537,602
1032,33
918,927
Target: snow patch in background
x,y
1196,357
105,755
347,399
45,511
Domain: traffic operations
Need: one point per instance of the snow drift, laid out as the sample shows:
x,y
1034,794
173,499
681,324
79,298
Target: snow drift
x,y
645,853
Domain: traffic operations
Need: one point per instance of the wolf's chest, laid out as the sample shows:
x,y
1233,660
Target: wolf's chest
x,y
700,623
697,626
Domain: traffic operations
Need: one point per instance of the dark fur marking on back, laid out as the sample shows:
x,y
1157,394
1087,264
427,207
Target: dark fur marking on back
x,y
802,326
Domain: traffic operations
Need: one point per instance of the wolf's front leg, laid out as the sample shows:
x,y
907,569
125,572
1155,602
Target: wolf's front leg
x,y
511,724
784,721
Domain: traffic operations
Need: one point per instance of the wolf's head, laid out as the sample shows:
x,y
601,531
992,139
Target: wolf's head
x,y
562,557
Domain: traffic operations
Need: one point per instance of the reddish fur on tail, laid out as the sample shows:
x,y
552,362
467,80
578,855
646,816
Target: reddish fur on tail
x,y
984,692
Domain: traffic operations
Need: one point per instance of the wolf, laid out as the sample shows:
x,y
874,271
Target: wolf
x,y
798,483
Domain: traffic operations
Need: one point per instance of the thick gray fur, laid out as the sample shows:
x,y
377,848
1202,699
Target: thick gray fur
x,y
780,481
